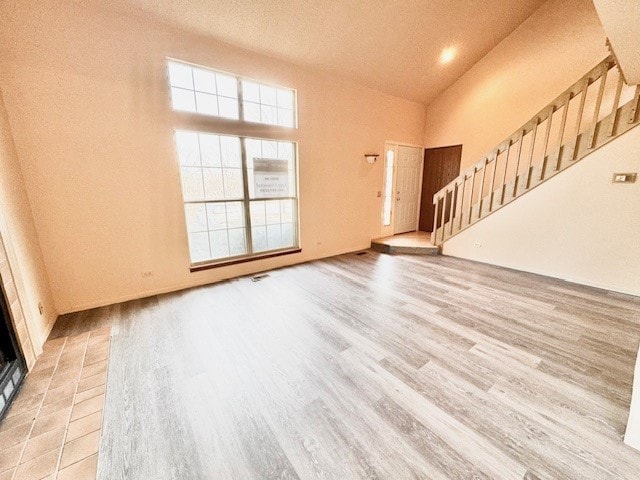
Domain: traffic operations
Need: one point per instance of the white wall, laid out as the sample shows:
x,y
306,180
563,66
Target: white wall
x,y
544,56
577,226
86,94
632,435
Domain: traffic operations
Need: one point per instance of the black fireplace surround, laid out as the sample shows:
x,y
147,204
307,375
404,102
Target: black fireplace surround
x,y
12,364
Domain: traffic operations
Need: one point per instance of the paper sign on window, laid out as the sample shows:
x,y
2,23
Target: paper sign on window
x,y
270,177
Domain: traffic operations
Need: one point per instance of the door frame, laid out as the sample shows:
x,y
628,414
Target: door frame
x,y
388,230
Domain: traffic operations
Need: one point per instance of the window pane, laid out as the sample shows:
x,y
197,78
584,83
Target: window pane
x,y
257,211
203,91
250,91
222,216
268,95
269,115
272,211
219,244
285,151
235,215
251,112
285,98
269,149
228,108
259,238
267,104
213,184
204,80
237,242
253,148
192,188
207,92
286,211
210,148
233,183
285,117
180,75
273,183
388,186
188,149
183,99
199,247
227,85
274,237
273,224
207,104
217,216
287,235
211,169
196,216
230,151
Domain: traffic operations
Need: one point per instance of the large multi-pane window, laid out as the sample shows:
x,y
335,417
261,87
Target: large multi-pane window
x,y
239,192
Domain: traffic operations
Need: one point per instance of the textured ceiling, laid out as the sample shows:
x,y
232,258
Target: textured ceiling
x,y
391,46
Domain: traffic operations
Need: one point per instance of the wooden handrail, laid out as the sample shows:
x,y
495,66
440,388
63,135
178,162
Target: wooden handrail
x,y
510,182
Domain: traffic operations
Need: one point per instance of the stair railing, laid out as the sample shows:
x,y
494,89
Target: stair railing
x,y
586,116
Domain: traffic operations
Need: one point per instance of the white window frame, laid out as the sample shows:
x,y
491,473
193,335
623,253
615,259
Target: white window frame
x,y
202,123
240,98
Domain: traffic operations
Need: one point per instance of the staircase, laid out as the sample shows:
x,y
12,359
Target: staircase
x,y
596,109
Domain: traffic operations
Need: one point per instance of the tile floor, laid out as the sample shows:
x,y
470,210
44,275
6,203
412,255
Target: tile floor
x,y
52,430
411,239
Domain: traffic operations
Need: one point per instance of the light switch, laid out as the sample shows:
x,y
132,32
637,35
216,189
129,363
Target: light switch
x,y
624,177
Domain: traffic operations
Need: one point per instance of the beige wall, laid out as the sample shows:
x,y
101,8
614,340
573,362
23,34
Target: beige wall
x,y
547,53
87,99
25,272
577,226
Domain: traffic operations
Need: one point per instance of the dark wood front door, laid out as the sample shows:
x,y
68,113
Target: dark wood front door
x,y
441,166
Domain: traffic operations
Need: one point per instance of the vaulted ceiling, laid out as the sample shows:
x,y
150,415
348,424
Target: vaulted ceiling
x,y
389,45
621,22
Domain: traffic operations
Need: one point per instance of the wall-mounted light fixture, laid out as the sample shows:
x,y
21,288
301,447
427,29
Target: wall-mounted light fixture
x,y
371,157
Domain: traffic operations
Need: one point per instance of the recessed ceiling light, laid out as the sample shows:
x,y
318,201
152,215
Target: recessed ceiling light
x,y
447,55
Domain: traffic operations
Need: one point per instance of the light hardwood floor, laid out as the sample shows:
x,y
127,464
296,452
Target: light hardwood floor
x,y
372,366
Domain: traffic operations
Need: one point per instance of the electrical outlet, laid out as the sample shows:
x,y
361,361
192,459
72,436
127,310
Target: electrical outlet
x,y
477,244
40,308
624,177
147,274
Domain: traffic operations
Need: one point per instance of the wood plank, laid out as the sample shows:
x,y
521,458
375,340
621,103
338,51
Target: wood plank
x,y
616,104
471,192
563,123
482,177
596,110
494,160
517,168
464,183
583,97
370,366
635,106
547,132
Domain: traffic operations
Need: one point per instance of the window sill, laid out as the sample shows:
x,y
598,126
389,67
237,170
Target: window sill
x,y
235,261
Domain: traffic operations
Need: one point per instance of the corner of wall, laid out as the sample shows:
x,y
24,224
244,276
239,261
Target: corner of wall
x,y
25,264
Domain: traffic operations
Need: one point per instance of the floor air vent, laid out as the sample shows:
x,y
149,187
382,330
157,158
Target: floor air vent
x,y
257,278
361,253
